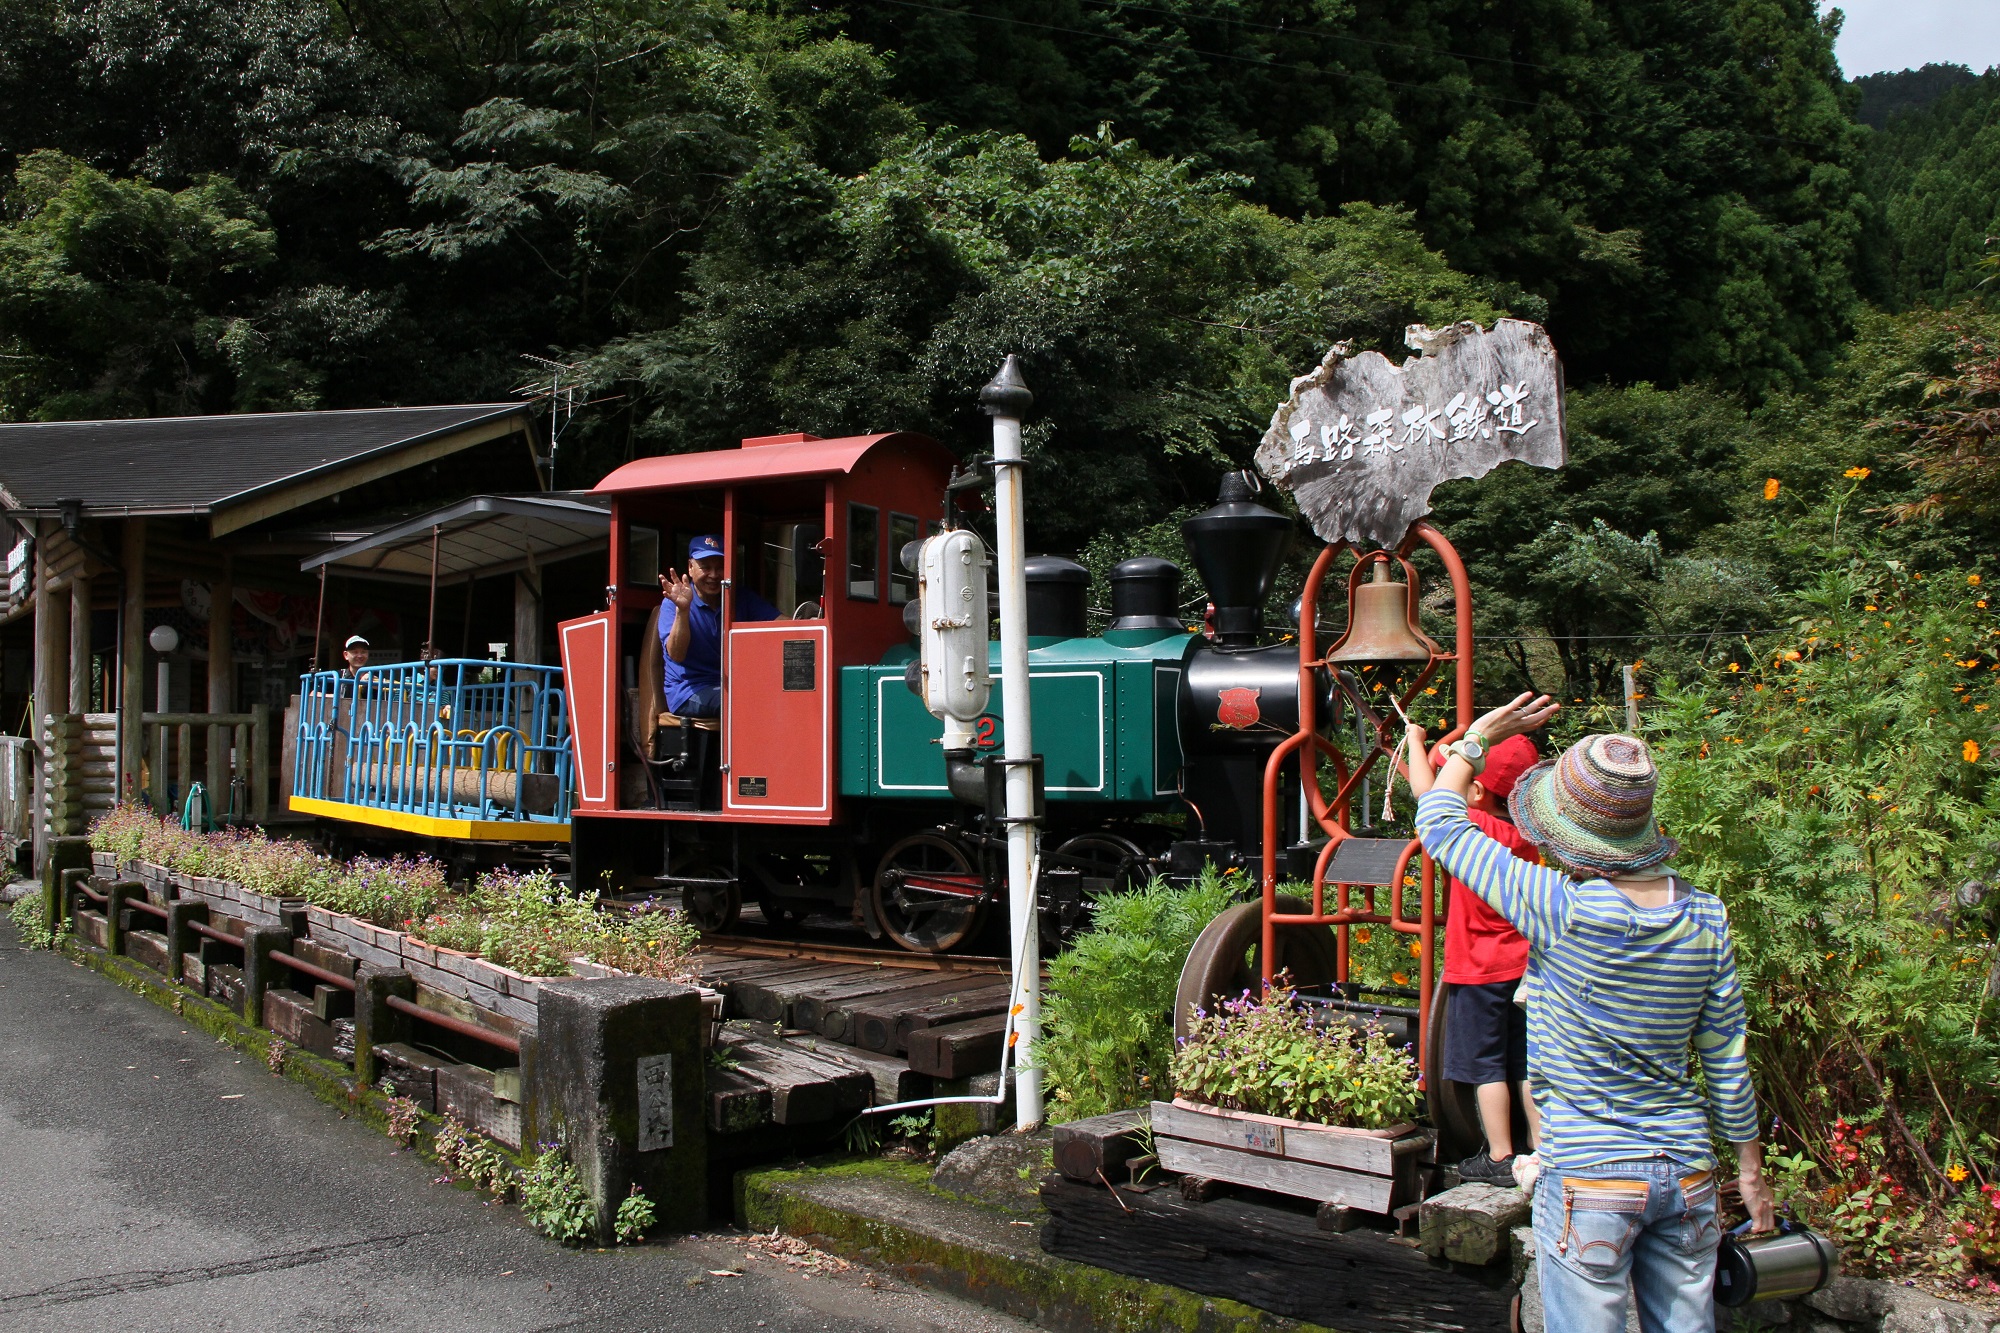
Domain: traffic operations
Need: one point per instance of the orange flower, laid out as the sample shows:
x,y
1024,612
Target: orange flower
x,y
1771,485
1973,579
1400,978
1361,935
1971,752
1416,949
1856,474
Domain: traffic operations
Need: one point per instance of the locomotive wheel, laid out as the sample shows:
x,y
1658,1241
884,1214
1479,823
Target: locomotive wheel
x,y
715,908
1454,1107
1104,856
1099,856
1227,958
928,918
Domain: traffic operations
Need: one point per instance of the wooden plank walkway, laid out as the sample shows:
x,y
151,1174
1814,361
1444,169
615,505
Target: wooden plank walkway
x,y
811,1040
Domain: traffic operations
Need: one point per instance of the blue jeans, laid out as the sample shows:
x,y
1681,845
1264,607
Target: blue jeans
x,y
705,702
1648,1225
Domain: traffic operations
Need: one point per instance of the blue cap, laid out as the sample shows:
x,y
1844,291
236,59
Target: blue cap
x,y
705,548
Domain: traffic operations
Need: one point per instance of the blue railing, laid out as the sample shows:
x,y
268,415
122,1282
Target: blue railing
x,y
454,738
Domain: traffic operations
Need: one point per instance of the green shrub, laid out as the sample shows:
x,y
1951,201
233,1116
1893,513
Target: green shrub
x,y
1837,791
636,1216
553,1197
1107,1010
26,914
1266,1056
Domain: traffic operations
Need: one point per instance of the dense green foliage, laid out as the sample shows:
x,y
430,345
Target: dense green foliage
x,y
1836,789
1108,1006
1936,170
26,914
1670,176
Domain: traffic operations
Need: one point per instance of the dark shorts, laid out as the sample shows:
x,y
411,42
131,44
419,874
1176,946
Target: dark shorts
x,y
1485,1034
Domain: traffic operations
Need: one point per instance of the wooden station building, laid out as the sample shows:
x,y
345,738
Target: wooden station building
x,y
191,532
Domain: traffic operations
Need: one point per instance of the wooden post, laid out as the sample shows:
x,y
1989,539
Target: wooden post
x,y
1631,703
132,662
40,709
79,641
260,762
221,682
527,646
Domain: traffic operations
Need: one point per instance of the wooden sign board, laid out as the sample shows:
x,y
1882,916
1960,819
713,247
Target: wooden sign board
x,y
1361,441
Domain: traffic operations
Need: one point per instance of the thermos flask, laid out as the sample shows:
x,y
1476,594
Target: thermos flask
x,y
1794,1261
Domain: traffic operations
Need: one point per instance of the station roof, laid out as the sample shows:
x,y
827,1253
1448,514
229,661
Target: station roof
x,y
486,534
252,465
765,458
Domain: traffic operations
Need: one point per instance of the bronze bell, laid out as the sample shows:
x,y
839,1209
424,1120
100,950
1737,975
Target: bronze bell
x,y
1381,624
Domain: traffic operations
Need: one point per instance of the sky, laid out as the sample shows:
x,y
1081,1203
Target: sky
x,y
1903,34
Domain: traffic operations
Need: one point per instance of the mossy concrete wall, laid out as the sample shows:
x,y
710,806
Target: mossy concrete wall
x,y
888,1215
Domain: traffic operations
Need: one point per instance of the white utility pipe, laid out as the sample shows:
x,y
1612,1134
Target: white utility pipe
x,y
1007,398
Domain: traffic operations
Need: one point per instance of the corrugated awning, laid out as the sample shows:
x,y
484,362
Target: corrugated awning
x,y
487,534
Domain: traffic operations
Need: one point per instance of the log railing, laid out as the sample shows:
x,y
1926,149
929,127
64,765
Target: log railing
x,y
179,743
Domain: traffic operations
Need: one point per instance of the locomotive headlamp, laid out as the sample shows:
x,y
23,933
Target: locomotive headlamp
x,y
951,634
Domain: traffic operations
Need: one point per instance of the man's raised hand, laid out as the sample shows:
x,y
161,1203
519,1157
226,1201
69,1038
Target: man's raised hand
x,y
678,590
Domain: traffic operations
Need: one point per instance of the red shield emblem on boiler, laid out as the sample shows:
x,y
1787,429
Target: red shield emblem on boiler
x,y
1237,707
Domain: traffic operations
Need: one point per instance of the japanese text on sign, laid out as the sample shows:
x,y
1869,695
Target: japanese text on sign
x,y
1361,441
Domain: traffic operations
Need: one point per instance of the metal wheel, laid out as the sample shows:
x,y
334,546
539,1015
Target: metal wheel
x,y
1227,958
1105,856
1454,1107
1109,864
712,898
927,893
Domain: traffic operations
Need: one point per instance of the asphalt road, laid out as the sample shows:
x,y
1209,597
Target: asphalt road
x,y
153,1178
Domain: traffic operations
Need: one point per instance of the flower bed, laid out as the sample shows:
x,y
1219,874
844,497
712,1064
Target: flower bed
x,y
485,944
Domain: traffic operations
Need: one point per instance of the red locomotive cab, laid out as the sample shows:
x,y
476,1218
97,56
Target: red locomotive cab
x,y
812,528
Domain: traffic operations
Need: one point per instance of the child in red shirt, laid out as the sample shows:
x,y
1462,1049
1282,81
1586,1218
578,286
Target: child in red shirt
x,y
1486,1033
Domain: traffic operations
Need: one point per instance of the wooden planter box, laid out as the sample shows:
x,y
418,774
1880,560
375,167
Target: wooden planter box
x,y
1372,1170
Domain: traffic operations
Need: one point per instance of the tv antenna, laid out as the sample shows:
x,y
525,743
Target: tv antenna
x,y
561,384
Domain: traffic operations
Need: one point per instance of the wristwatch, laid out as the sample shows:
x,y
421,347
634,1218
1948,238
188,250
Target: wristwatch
x,y
1470,747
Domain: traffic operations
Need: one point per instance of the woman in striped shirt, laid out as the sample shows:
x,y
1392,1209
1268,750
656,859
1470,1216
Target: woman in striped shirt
x,y
1629,968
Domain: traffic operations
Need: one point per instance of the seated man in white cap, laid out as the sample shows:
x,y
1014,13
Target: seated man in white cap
x,y
691,629
354,653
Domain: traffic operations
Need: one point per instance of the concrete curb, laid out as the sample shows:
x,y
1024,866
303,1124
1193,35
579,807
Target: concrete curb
x,y
887,1215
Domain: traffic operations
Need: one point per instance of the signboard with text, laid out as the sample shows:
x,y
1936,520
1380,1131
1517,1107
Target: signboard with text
x,y
1362,441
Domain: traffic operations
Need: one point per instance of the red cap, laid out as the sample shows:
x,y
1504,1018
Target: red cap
x,y
1506,761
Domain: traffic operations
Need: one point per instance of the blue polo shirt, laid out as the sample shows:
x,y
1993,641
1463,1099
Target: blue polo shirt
x,y
703,667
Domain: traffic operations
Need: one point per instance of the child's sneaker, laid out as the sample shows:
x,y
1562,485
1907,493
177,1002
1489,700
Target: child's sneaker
x,y
1483,1170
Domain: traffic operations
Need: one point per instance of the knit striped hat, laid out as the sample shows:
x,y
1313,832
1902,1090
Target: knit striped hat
x,y
1592,808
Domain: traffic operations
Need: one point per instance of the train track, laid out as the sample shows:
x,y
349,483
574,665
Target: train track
x,y
819,951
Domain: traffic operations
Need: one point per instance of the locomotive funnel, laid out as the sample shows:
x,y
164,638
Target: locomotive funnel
x,y
1237,544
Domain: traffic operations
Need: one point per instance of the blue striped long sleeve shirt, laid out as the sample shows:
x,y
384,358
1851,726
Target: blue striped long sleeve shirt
x,y
1619,995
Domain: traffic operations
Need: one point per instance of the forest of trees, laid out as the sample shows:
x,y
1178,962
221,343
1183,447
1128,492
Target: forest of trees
x,y
752,217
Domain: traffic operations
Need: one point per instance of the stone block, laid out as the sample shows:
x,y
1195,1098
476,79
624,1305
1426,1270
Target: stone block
x,y
1471,1224
259,972
289,1014
375,1023
343,1040
1003,1168
147,948
615,1072
193,973
960,1121
411,1071
332,1002
92,928
181,913
226,985
312,951
466,1091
